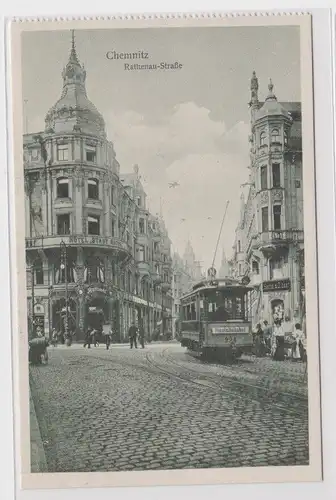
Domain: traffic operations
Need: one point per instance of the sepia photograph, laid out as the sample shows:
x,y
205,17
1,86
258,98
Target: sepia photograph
x,y
166,251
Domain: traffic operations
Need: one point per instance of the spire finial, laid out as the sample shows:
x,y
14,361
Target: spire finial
x,y
270,86
271,96
73,40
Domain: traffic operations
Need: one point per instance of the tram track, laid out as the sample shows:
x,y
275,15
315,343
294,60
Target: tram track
x,y
235,389
239,390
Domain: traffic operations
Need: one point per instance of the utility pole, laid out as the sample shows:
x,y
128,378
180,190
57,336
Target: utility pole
x,y
64,265
33,296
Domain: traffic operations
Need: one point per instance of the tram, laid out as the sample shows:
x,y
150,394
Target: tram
x,y
215,320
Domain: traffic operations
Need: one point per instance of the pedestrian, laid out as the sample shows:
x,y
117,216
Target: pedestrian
x,y
279,341
288,334
142,336
94,337
132,334
298,345
259,341
108,338
88,339
54,337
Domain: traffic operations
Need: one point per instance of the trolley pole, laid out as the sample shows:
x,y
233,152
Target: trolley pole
x,y
219,235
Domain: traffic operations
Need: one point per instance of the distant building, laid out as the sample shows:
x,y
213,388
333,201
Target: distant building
x,y
186,272
224,270
95,255
269,242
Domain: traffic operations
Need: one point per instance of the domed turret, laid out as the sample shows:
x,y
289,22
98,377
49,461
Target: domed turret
x,y
74,112
271,106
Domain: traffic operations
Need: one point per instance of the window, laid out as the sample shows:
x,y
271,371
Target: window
x,y
59,272
62,152
141,226
113,227
94,271
141,254
91,155
63,224
93,225
38,267
277,217
275,135
239,246
93,189
264,219
113,195
263,177
263,139
276,175
62,187
275,267
139,201
255,267
286,138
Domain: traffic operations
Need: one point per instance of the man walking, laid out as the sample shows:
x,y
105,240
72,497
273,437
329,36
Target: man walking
x,y
87,338
142,336
132,333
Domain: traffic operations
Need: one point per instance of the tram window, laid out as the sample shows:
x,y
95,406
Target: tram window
x,y
239,308
193,311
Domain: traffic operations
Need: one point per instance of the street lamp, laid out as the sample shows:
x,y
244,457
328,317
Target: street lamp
x,y
64,267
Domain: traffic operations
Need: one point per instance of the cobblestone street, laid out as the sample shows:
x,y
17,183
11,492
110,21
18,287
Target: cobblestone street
x,y
160,408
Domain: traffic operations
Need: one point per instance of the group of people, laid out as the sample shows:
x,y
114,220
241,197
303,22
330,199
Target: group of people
x,y
275,339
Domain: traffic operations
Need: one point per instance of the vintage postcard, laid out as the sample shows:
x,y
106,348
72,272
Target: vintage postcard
x,y
165,306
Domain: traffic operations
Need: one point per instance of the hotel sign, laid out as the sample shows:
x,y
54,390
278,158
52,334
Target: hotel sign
x,y
275,285
96,240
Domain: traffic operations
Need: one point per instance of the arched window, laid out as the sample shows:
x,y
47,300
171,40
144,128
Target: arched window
x,y
62,187
276,135
286,138
263,139
93,189
94,271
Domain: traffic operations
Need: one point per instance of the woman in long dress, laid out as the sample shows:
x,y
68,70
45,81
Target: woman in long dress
x,y
279,341
298,347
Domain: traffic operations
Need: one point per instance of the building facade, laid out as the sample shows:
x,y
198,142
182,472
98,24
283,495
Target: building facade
x,y
269,242
94,253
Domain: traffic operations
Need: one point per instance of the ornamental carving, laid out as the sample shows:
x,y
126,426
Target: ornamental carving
x,y
277,195
264,197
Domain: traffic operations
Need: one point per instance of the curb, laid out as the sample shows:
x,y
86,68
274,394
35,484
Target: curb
x,y
38,461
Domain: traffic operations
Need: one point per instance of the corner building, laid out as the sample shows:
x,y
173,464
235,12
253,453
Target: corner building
x,y
90,242
269,243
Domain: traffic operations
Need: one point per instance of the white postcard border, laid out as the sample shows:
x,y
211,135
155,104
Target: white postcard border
x,y
183,477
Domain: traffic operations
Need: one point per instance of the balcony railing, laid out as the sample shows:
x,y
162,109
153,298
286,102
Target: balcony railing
x,y
278,237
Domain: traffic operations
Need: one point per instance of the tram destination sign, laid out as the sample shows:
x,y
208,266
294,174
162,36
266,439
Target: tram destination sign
x,y
229,329
273,286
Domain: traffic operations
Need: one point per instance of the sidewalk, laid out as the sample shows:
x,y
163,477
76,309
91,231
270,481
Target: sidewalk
x,y
38,462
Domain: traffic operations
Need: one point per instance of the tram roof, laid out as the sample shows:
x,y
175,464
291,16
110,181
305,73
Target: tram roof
x,y
229,284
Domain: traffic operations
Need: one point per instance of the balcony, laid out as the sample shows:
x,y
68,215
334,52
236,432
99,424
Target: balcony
x,y
143,269
165,286
105,242
270,241
255,279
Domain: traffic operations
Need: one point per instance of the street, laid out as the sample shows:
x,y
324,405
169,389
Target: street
x,y
161,408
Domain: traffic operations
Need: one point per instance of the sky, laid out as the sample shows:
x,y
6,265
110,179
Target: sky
x,y
188,126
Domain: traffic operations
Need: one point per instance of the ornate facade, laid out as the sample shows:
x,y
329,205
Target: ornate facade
x,y
95,255
269,243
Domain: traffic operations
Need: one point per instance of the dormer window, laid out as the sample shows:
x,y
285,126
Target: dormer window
x,y
63,187
62,152
276,136
263,139
93,189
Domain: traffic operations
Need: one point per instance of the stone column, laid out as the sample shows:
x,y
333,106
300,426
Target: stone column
x,y
78,199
